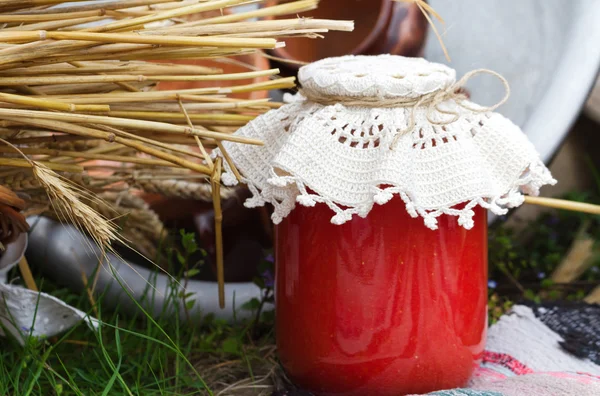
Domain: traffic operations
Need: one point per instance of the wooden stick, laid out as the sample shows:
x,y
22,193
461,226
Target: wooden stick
x,y
88,155
26,58
242,105
216,77
152,142
284,60
26,274
54,25
109,150
171,140
255,26
168,41
12,81
23,163
50,104
60,51
165,5
578,258
110,137
218,99
124,85
593,297
306,33
19,4
28,90
210,118
10,114
215,181
45,139
81,89
230,162
23,18
207,158
185,94
162,15
108,67
114,5
564,204
280,9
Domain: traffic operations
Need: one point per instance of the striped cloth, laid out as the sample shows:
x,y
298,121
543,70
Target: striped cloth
x,y
540,350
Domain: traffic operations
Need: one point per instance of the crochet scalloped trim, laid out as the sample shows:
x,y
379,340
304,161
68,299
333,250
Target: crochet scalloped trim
x,y
440,159
533,177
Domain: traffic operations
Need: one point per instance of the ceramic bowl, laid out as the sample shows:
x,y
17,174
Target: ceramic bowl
x,y
548,50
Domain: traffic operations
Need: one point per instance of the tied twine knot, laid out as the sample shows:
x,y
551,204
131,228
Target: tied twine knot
x,y
431,100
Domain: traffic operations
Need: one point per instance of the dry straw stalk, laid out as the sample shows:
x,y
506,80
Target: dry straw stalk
x,y
81,99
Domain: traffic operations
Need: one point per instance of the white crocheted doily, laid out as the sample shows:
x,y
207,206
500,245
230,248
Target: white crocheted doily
x,y
343,156
384,76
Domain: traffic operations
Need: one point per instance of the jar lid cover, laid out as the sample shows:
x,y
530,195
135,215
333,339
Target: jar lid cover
x,y
444,157
384,76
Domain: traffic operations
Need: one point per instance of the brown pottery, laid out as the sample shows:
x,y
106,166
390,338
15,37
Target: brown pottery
x,y
381,26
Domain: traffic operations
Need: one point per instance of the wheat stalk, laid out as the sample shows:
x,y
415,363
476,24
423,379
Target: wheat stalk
x,y
66,199
81,102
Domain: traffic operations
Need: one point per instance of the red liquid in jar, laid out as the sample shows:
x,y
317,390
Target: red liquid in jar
x,y
381,305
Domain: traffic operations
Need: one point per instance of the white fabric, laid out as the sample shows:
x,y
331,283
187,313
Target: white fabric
x,y
541,384
342,156
524,337
384,76
26,313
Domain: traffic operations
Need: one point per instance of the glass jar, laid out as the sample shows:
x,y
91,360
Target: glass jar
x,y
380,305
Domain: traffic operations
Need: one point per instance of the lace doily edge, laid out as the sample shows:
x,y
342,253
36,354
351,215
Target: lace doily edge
x,y
284,199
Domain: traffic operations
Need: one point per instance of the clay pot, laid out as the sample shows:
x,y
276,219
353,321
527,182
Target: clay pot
x,y
383,26
405,34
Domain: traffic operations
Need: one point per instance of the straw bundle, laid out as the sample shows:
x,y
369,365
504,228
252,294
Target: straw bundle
x,y
79,106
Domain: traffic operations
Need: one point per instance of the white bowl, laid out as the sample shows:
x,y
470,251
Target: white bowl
x,y
548,50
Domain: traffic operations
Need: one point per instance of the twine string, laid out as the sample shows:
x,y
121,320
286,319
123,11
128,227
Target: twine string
x,y
431,100
428,12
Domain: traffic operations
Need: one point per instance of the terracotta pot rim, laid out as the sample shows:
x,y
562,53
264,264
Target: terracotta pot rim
x,y
410,48
378,29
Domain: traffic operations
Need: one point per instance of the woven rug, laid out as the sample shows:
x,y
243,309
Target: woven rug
x,y
540,350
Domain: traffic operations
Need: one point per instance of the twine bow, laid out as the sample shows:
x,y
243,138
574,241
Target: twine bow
x,y
455,93
431,100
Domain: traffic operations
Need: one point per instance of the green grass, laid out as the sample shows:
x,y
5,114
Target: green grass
x,y
165,356
137,355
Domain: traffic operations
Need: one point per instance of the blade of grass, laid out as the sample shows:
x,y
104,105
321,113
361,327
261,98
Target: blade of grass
x,y
116,375
162,331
